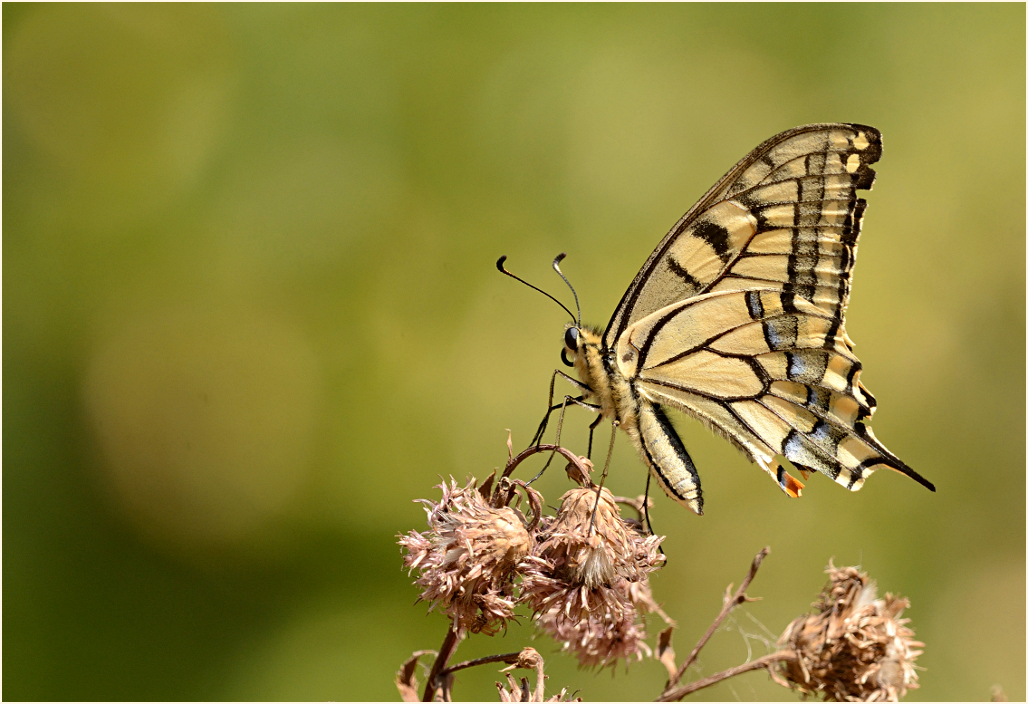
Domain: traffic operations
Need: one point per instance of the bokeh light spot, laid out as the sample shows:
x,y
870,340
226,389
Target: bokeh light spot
x,y
206,421
128,101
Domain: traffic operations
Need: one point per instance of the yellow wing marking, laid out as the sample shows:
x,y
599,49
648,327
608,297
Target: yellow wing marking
x,y
783,332
696,257
713,414
672,330
707,373
820,368
841,409
786,159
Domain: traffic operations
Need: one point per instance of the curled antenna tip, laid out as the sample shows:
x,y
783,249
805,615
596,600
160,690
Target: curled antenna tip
x,y
556,268
499,263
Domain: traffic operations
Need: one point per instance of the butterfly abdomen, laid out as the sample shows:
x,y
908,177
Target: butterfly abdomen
x,y
667,458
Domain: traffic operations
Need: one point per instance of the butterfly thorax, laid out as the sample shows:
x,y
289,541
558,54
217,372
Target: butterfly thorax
x,y
608,387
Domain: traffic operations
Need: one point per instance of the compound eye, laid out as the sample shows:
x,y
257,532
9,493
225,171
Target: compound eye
x,y
571,339
564,358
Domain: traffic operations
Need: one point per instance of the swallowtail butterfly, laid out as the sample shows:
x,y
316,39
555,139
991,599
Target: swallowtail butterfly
x,y
738,320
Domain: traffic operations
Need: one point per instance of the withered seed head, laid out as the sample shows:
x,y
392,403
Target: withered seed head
x,y
467,558
522,692
854,647
580,555
587,579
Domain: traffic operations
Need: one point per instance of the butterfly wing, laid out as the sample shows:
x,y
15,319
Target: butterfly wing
x,y
737,318
786,214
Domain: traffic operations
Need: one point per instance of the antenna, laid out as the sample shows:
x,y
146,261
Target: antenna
x,y
499,265
556,267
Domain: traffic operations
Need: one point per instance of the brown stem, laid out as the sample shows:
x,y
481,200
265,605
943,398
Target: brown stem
x,y
634,504
526,658
509,658
534,449
759,664
730,603
446,652
540,681
535,500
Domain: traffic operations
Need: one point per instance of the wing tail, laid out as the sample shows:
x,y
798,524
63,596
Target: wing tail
x,y
904,469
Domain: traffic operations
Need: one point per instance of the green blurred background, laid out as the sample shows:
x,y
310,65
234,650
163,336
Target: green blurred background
x,y
250,313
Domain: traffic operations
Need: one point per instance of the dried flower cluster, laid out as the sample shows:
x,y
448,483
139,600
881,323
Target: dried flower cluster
x,y
468,557
587,580
584,574
854,647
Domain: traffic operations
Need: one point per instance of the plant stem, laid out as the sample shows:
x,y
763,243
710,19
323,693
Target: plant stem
x,y
535,449
446,651
758,664
509,658
730,603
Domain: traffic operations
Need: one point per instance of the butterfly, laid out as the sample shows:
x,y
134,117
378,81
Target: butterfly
x,y
738,320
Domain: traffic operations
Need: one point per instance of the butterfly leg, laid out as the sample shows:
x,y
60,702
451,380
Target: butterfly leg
x,y
560,424
537,438
577,400
646,506
606,465
592,427
541,430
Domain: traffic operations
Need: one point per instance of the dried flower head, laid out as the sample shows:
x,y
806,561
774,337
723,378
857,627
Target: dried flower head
x,y
854,647
467,558
528,659
521,692
587,580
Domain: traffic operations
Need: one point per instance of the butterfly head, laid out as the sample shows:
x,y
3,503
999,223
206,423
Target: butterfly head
x,y
573,332
571,335
579,342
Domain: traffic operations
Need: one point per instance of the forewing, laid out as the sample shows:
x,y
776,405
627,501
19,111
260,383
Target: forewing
x,y
784,218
